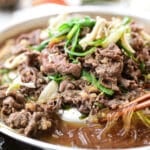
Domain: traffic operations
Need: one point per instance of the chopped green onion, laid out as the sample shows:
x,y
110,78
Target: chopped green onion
x,y
126,20
96,42
147,77
142,67
87,22
41,46
80,54
99,105
145,35
57,77
114,36
63,27
4,71
73,31
66,106
92,79
125,44
83,116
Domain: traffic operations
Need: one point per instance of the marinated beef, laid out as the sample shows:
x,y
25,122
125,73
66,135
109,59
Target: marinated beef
x,y
26,40
58,63
112,70
12,102
107,65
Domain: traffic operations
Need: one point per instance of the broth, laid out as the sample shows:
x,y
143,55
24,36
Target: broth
x,y
89,136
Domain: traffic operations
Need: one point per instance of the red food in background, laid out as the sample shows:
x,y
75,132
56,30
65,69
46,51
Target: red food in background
x,y
38,2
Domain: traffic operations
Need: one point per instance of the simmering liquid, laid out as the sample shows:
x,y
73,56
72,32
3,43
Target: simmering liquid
x,y
90,136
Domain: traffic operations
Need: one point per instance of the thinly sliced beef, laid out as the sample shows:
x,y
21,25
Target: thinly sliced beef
x,y
131,70
137,41
30,122
107,65
58,63
19,120
128,84
81,99
32,37
39,122
25,40
12,102
66,85
33,59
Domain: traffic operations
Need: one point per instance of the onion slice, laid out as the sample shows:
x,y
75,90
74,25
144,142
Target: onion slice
x,y
71,115
49,92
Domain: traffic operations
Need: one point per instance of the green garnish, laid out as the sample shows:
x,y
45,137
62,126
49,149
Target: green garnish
x,y
66,106
41,46
56,77
142,67
80,54
92,79
4,71
70,28
83,116
98,104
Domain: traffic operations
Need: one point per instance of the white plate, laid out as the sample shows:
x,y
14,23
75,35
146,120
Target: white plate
x,y
39,21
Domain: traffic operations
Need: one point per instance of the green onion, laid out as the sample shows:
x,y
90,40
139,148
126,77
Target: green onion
x,y
64,26
73,31
116,35
92,79
83,22
142,67
41,46
56,77
125,44
126,20
96,42
98,104
80,54
83,116
147,77
87,22
63,32
4,71
75,40
66,106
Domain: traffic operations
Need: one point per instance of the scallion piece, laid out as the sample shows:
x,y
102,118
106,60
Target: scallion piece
x,y
41,46
92,79
56,77
80,54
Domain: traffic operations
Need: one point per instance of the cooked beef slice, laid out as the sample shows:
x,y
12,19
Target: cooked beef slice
x,y
107,64
58,63
31,74
25,40
31,122
12,102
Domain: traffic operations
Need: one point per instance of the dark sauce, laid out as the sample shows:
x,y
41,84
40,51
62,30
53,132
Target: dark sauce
x,y
92,136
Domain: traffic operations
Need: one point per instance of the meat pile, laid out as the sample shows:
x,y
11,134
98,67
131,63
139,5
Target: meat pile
x,y
114,69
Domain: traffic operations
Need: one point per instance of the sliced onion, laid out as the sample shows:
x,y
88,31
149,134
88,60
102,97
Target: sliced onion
x,y
125,43
56,21
71,115
145,35
49,92
15,85
14,61
96,32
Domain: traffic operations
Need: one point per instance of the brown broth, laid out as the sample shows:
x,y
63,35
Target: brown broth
x,y
90,136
